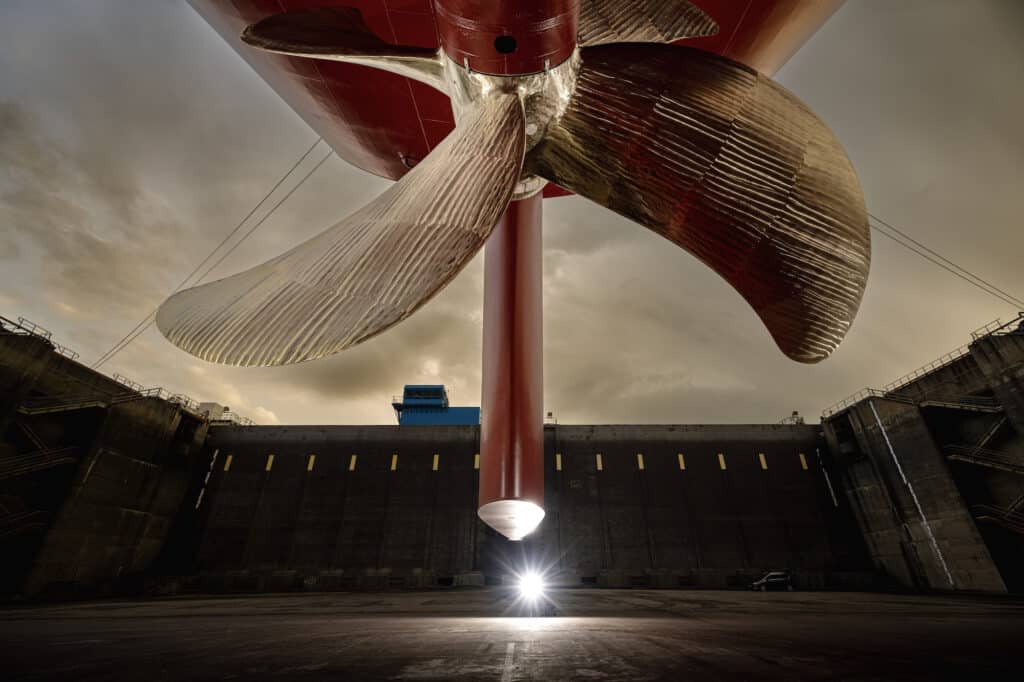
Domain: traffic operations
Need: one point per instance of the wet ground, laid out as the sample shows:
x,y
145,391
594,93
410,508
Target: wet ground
x,y
470,635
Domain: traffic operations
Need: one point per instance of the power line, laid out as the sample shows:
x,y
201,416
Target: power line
x,y
882,227
103,358
151,318
949,266
964,271
148,321
954,269
267,215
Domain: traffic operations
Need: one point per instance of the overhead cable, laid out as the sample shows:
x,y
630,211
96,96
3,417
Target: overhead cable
x,y
147,321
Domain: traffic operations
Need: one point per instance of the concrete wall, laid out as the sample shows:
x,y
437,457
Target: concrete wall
x,y
31,369
964,464
324,524
22,360
959,378
1001,360
916,524
87,494
126,493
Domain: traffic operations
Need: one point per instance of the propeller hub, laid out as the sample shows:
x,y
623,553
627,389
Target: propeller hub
x,y
545,97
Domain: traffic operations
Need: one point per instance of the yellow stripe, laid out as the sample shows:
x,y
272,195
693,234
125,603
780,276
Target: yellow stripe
x,y
600,462
394,462
352,463
436,458
639,461
721,461
309,464
270,462
803,462
682,462
476,461
764,462
558,461
227,462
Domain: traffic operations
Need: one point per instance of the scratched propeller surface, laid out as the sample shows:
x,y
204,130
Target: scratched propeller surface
x,y
730,166
372,269
720,160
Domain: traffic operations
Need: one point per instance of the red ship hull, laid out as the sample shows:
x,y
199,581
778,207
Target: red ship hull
x,y
384,123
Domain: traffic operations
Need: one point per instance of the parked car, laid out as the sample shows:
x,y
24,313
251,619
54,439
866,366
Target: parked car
x,y
773,580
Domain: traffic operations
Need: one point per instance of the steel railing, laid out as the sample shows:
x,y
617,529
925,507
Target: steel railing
x,y
11,524
19,465
1011,520
62,403
26,327
994,328
864,394
30,328
134,385
998,327
233,418
993,459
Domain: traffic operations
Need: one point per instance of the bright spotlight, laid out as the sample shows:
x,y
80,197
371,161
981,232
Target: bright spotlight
x,y
531,586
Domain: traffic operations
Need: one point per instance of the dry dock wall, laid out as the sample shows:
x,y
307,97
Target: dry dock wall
x,y
102,487
913,517
126,492
92,476
933,469
388,506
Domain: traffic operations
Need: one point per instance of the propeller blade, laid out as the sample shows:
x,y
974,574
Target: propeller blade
x,y
340,34
641,21
372,269
728,165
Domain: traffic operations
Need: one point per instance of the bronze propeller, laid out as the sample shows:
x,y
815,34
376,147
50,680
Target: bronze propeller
x,y
717,158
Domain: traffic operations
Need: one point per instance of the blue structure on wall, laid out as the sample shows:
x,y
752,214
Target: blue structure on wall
x,y
427,405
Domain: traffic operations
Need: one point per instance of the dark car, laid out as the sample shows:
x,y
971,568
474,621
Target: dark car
x,y
773,580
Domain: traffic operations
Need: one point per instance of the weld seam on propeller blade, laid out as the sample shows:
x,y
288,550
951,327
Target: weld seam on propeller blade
x,y
641,21
731,167
371,270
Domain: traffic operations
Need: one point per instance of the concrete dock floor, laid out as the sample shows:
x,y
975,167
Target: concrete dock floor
x,y
469,635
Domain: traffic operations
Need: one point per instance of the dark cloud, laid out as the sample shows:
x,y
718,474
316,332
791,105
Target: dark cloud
x,y
128,153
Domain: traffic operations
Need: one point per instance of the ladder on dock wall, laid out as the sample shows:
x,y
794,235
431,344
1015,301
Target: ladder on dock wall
x,y
67,403
16,518
968,403
30,462
992,459
1006,518
53,406
22,522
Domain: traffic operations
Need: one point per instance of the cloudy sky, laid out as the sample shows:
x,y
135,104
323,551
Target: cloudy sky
x,y
132,139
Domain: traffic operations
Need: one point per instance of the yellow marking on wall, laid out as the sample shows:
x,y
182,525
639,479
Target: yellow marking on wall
x,y
803,462
309,464
270,462
394,462
476,461
352,463
600,462
437,459
682,462
640,461
721,461
227,462
764,462
558,461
